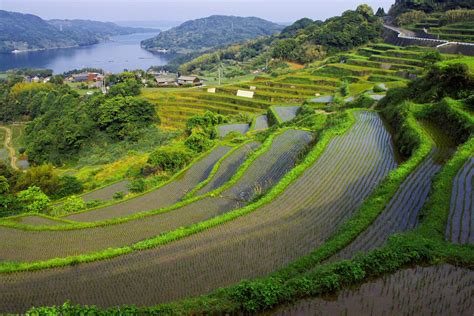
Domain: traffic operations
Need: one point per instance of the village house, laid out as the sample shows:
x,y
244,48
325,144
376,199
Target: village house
x,y
189,80
87,76
166,79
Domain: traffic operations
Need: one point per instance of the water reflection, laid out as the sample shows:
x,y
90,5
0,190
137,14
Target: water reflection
x,y
122,52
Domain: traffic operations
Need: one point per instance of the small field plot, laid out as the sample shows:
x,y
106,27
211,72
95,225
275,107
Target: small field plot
x,y
35,220
107,192
296,222
286,113
162,197
228,167
460,227
261,122
440,290
266,170
223,130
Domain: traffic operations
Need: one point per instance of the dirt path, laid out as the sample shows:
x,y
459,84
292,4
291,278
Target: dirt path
x,y
8,145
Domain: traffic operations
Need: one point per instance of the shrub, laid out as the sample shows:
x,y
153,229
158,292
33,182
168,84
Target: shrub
x,y
118,195
431,57
170,158
362,101
198,141
72,204
410,17
43,177
33,200
69,185
378,88
137,186
206,122
4,185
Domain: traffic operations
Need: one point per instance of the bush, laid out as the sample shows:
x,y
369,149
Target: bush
x,y
378,88
206,122
410,17
305,110
72,204
118,195
69,185
362,101
43,177
137,186
198,141
33,200
169,158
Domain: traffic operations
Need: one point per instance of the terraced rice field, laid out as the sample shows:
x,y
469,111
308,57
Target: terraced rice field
x,y
286,113
229,167
162,197
107,192
261,122
401,213
460,227
362,69
266,170
223,130
297,221
439,290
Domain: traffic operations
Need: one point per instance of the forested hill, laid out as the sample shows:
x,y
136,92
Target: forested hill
x,y
213,31
26,31
429,6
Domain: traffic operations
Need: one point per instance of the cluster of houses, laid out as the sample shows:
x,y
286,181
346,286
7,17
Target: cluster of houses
x,y
166,79
37,79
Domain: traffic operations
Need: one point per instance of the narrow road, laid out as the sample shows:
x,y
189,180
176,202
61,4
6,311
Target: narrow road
x,y
8,145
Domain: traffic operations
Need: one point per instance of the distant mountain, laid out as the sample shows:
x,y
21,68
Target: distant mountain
x,y
213,31
29,32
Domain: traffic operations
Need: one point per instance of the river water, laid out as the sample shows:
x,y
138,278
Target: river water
x,y
121,52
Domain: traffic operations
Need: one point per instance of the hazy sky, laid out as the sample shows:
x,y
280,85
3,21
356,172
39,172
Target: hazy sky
x,y
180,10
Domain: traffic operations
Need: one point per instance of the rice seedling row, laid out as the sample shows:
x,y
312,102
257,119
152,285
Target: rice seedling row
x,y
401,213
223,130
229,167
438,290
265,171
460,228
279,232
162,197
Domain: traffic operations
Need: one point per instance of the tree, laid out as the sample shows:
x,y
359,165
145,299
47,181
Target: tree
x,y
43,177
365,10
130,87
33,200
198,141
4,185
431,57
169,158
380,12
121,116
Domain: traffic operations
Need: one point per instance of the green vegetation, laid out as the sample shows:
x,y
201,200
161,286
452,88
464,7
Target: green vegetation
x,y
207,33
363,153
30,32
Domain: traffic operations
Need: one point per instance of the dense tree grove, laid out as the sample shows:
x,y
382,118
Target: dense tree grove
x,y
62,122
428,6
303,42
